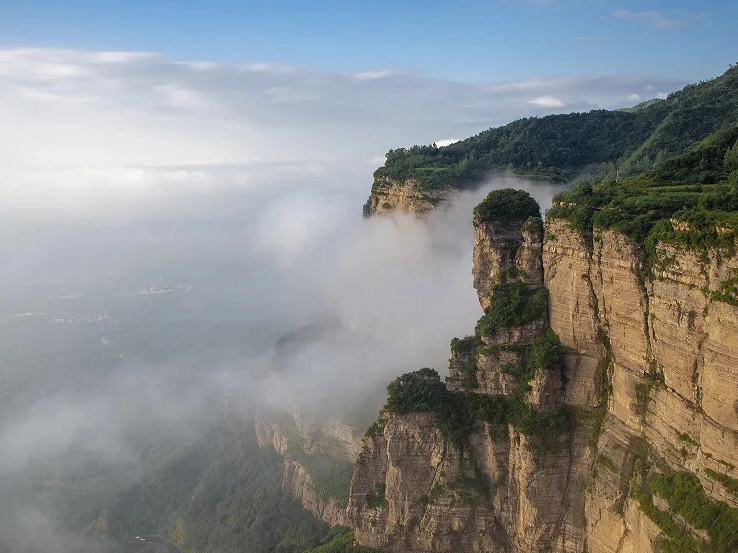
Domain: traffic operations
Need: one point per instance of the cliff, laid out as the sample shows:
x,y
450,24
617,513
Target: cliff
x,y
594,409
318,460
405,196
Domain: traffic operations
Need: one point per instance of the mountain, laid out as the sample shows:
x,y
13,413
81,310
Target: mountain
x,y
559,148
594,408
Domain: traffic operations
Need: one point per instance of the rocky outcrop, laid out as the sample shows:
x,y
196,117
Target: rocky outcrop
x,y
308,444
389,196
312,434
298,482
508,251
646,379
514,482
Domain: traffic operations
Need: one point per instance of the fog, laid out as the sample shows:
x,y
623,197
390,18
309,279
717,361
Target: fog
x,y
391,292
257,262
135,295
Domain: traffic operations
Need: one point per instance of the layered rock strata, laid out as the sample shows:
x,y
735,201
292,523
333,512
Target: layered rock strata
x,y
390,196
648,378
308,443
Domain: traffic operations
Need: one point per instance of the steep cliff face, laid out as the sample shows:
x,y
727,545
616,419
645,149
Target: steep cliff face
x,y
607,422
672,355
390,195
300,484
319,455
510,482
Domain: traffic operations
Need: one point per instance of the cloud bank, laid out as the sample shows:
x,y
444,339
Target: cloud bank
x,y
87,109
244,182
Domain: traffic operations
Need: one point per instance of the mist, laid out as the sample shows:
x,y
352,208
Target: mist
x,y
135,296
250,265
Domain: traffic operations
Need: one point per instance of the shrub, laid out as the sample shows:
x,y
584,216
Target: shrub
x,y
377,500
415,392
729,483
506,205
513,305
686,497
728,292
465,346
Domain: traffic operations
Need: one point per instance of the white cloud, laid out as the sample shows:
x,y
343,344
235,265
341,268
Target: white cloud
x,y
662,20
70,109
634,98
547,102
374,75
446,141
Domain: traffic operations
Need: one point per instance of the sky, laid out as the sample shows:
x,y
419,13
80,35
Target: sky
x,y
466,40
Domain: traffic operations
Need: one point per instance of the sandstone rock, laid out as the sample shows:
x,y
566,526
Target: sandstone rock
x,y
650,370
406,197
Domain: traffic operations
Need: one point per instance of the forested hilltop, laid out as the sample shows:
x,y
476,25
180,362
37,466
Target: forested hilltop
x,y
559,148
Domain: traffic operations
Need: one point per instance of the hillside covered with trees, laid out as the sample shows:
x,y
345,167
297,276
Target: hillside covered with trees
x,y
560,148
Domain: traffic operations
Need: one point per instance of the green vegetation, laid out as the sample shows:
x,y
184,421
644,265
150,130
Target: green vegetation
x,y
513,305
545,354
606,462
727,292
728,482
415,392
457,414
677,539
374,428
331,476
378,499
643,212
340,540
559,148
224,494
464,354
687,438
506,205
686,497
465,346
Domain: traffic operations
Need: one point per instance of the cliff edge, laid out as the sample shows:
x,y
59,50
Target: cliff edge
x,y
405,196
594,409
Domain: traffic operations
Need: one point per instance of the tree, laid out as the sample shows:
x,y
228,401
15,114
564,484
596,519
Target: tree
x,y
731,158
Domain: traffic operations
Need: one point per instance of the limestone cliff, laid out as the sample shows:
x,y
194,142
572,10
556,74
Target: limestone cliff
x,y
604,422
389,195
319,455
672,356
298,482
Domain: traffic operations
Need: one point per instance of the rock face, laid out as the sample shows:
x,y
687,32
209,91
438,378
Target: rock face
x,y
308,443
498,247
406,197
647,379
298,482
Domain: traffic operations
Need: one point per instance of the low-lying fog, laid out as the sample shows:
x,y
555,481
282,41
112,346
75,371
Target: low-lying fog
x,y
149,262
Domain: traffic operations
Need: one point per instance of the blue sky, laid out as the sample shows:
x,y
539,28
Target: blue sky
x,y
468,40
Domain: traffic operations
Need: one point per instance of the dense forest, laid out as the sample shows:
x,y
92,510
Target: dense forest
x,y
562,148
224,495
